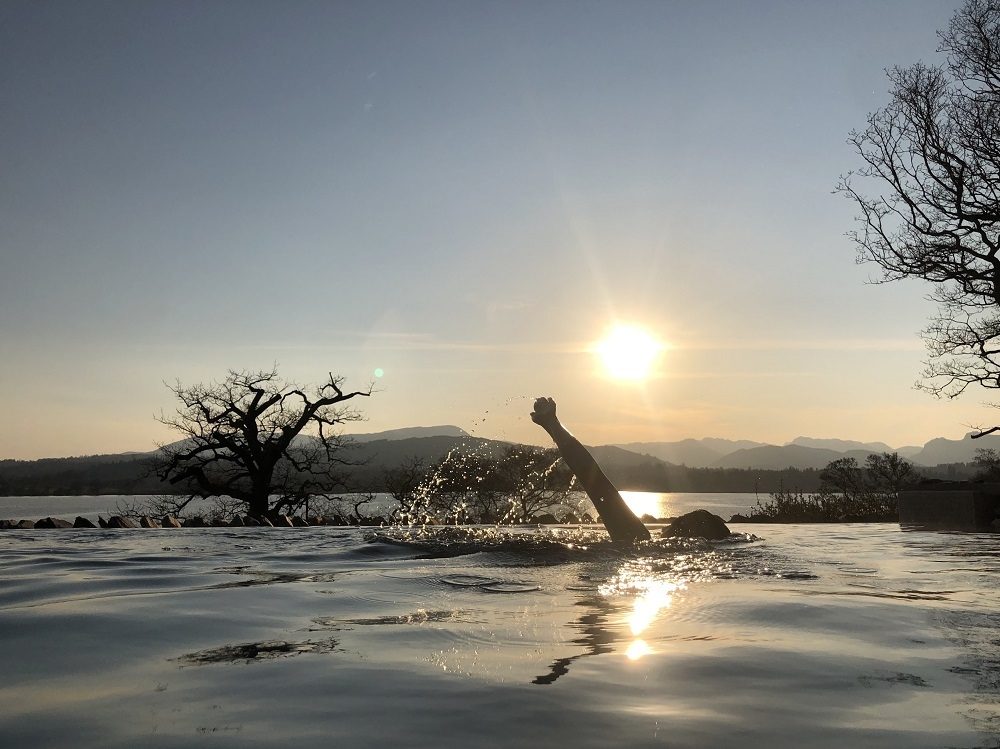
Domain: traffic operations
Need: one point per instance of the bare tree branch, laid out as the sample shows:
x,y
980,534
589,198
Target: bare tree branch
x,y
933,157
264,442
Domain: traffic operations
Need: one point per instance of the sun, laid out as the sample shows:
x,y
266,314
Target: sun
x,y
629,353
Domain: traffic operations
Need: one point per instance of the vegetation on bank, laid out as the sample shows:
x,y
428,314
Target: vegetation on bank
x,y
823,507
849,492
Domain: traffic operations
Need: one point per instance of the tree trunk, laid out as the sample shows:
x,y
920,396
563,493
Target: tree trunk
x,y
259,504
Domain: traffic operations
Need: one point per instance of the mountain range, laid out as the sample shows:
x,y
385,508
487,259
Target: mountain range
x,y
711,452
805,452
686,465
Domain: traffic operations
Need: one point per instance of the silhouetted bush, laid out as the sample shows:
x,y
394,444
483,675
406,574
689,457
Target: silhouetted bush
x,y
848,493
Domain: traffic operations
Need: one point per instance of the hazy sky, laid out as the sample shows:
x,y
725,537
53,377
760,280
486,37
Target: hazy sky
x,y
464,195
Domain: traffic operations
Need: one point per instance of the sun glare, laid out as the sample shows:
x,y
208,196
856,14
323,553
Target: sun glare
x,y
629,353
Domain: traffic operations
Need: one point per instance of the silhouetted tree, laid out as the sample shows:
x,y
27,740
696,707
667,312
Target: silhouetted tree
x,y
258,439
987,463
402,482
458,488
534,481
848,491
933,154
890,472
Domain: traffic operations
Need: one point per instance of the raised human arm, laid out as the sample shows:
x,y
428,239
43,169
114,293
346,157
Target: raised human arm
x,y
621,522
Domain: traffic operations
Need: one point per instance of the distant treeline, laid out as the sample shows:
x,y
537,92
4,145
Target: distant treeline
x,y
664,477
92,475
127,474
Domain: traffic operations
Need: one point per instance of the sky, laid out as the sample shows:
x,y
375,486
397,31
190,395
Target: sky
x,y
453,201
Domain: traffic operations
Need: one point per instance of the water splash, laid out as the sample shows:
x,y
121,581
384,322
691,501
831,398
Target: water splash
x,y
541,545
689,559
482,483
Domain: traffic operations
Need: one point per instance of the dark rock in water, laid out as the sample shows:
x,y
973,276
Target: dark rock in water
x,y
236,522
647,518
102,522
7,524
698,524
82,522
53,523
570,519
299,522
120,521
147,522
282,521
169,521
740,519
251,522
196,522
218,522
25,525
546,518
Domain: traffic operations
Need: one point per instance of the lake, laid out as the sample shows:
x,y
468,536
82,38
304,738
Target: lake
x,y
657,504
860,635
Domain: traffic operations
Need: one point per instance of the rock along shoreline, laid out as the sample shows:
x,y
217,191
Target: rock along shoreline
x,y
697,523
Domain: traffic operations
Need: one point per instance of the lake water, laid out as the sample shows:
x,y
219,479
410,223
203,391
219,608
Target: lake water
x,y
657,504
860,635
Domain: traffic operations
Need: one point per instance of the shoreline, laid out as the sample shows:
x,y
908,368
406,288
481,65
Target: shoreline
x,y
120,522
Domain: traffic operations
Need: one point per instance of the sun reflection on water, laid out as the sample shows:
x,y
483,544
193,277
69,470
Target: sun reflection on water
x,y
642,503
654,590
649,603
637,649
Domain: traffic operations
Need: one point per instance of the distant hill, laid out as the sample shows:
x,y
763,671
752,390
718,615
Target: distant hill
x,y
612,457
776,458
702,453
942,450
802,452
907,451
842,445
410,432
377,455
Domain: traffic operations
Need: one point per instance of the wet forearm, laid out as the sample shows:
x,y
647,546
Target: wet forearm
x,y
580,462
618,518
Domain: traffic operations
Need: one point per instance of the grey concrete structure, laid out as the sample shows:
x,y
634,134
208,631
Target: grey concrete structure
x,y
957,505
